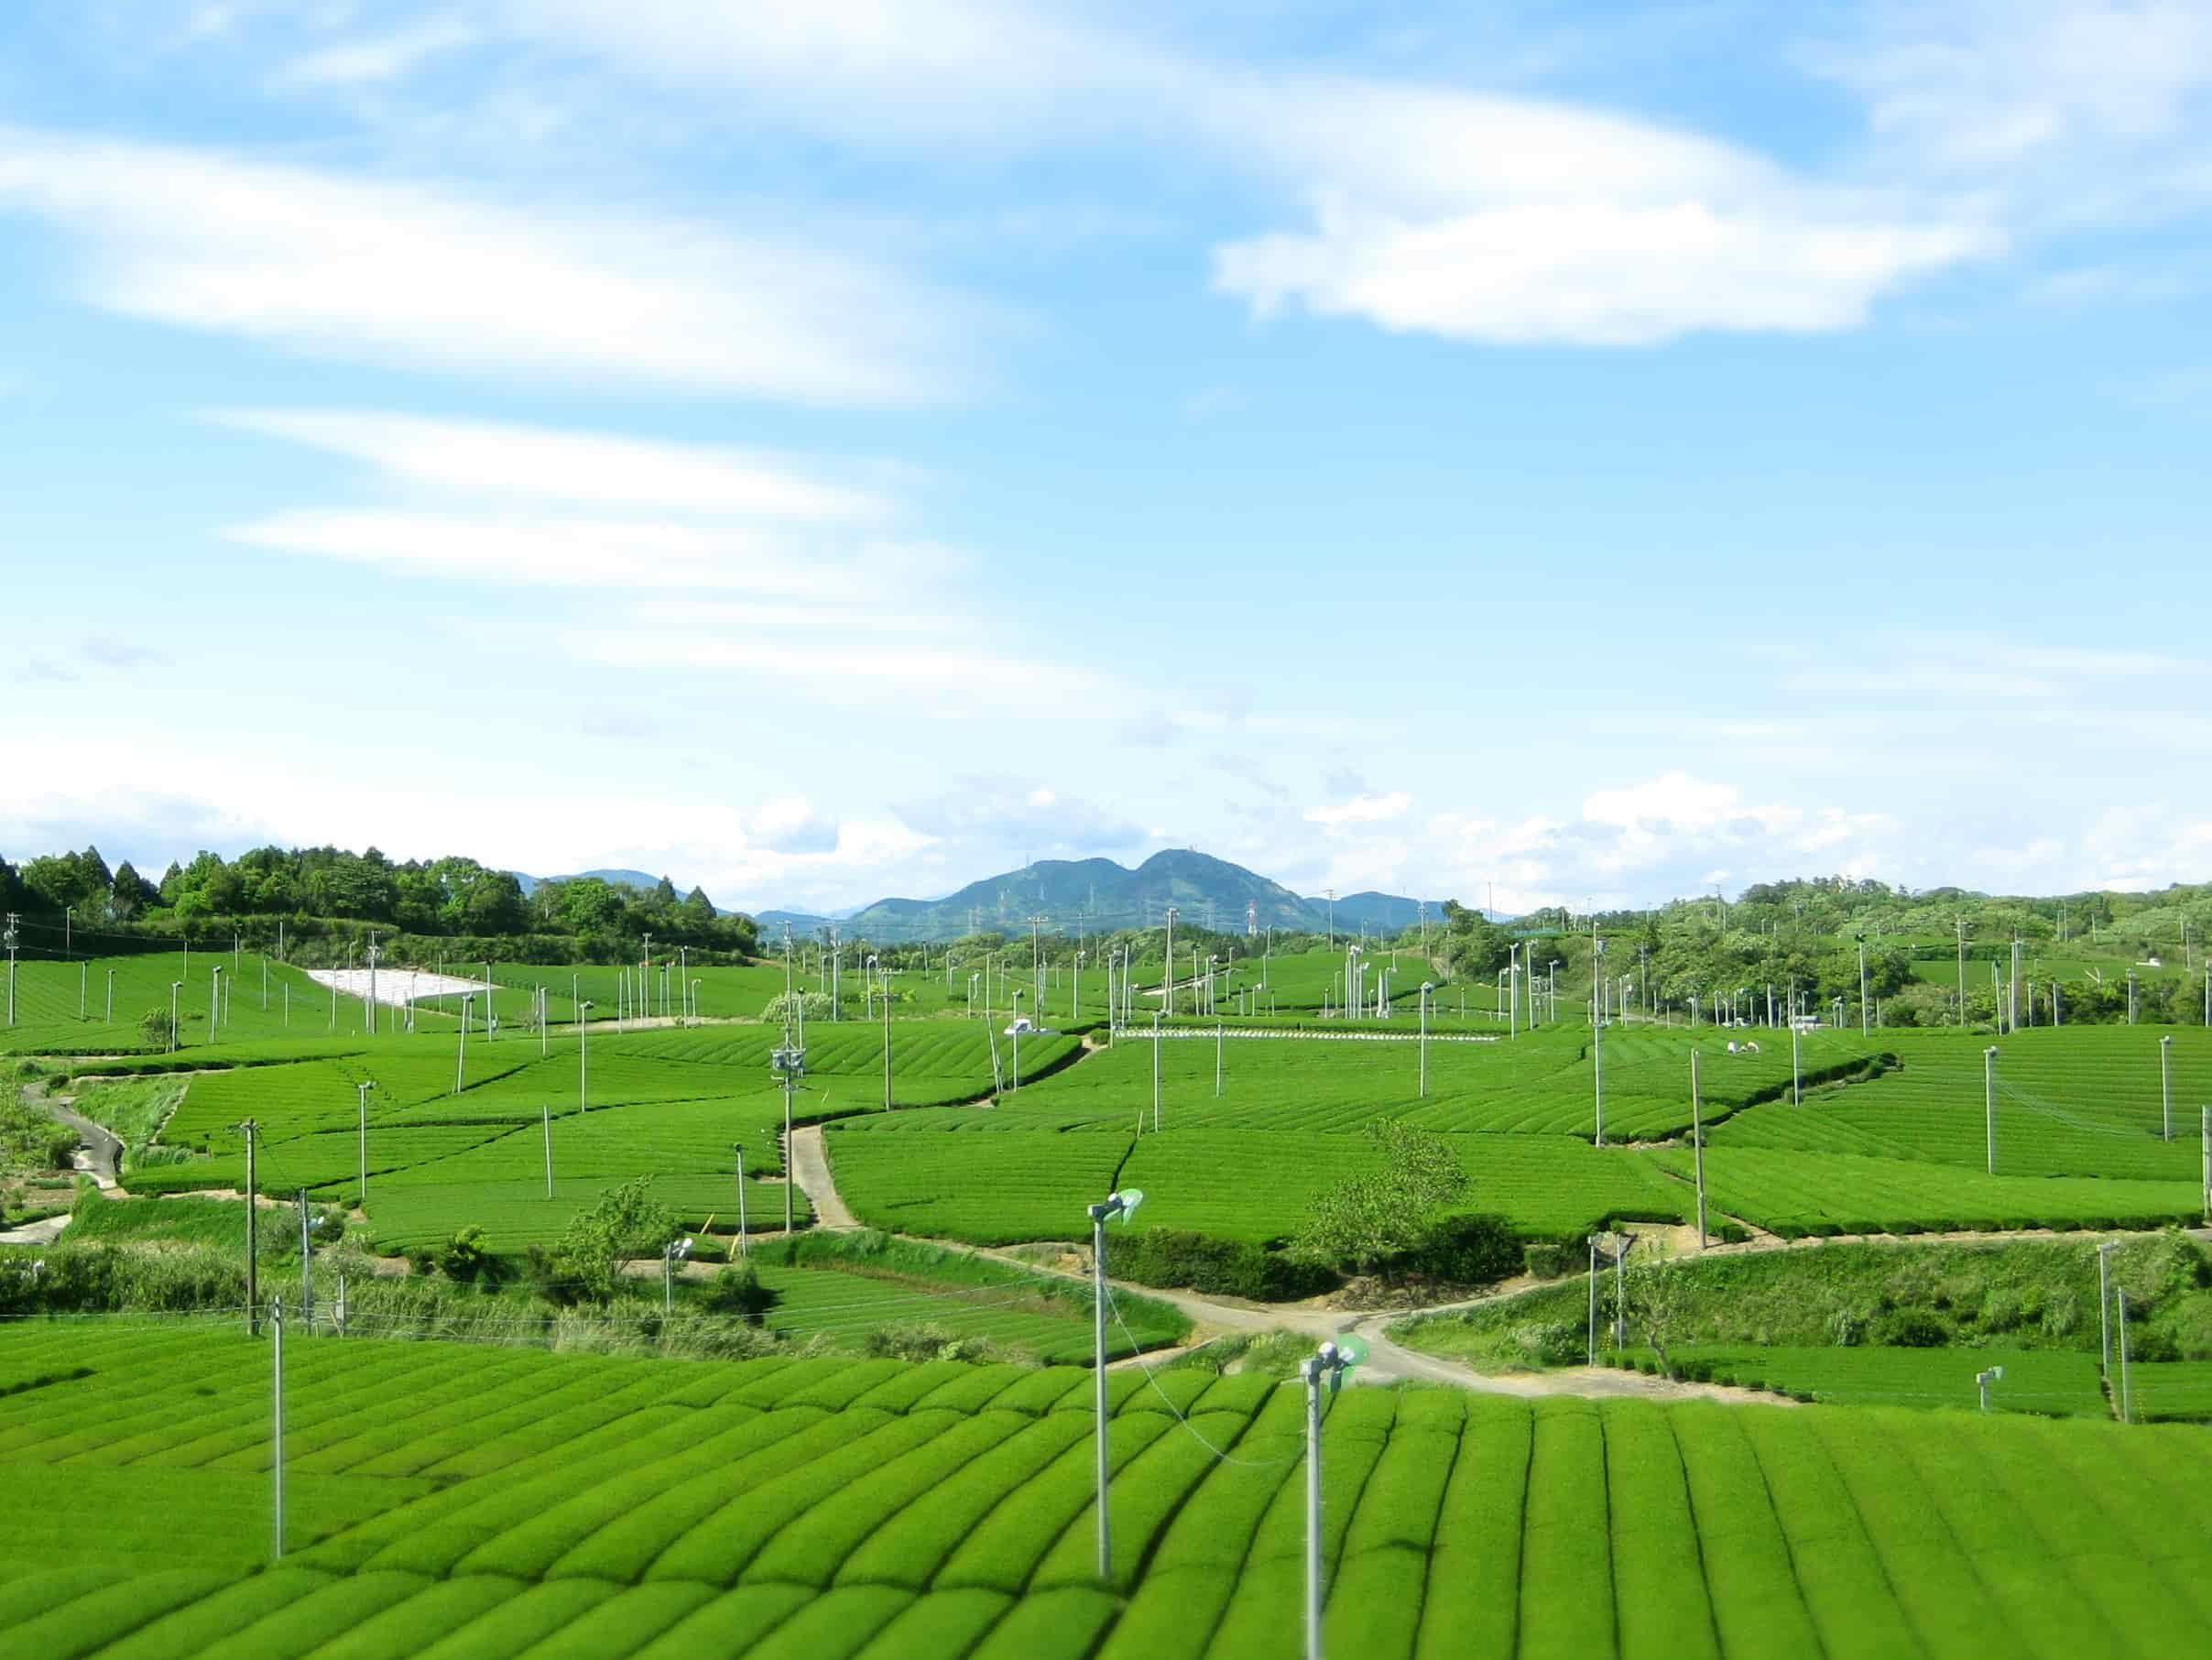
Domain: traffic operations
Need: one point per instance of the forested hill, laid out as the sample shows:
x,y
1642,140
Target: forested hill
x,y
326,901
1100,896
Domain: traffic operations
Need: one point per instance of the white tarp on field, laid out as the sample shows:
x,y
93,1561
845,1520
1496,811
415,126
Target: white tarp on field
x,y
396,986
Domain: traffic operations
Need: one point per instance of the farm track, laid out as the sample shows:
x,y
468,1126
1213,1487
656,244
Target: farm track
x,y
1386,1362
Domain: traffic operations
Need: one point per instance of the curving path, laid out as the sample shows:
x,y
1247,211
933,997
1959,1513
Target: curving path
x,y
1387,1362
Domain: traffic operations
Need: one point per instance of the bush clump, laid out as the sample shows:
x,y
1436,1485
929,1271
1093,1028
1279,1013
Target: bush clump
x,y
1233,1268
737,1290
1914,1329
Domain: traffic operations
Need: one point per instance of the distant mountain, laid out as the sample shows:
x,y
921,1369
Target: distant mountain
x,y
620,878
1099,895
802,923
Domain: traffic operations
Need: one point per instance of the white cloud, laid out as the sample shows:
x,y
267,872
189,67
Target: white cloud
x,y
2071,110
1479,217
587,469
1591,272
568,552
1361,810
379,58
336,266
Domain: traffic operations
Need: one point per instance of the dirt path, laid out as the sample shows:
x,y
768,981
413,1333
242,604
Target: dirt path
x,y
1387,1362
810,1170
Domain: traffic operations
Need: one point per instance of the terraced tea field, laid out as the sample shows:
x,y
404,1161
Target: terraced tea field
x,y
2054,1383
48,993
988,1179
2085,1100
540,1504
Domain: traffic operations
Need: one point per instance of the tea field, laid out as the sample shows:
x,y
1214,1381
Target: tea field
x,y
540,1504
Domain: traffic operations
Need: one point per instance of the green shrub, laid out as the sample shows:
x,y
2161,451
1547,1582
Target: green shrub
x,y
1463,1250
1236,1268
1914,1329
737,1290
463,1255
925,1342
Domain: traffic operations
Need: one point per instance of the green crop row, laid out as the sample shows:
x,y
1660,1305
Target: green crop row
x,y
546,1504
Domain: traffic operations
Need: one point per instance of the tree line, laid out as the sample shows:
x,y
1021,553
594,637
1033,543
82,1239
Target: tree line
x,y
333,896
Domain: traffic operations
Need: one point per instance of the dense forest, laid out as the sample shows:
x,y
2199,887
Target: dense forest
x,y
321,902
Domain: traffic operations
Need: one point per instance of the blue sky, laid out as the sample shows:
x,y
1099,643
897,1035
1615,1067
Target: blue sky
x,y
832,449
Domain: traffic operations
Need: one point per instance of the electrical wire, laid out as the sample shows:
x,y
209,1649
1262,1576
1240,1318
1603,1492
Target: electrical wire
x,y
1221,1455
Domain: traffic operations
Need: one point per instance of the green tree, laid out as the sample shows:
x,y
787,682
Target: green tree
x,y
1383,1212
132,894
627,1222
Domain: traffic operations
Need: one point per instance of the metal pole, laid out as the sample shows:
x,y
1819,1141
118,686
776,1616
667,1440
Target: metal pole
x,y
1312,1377
2127,1400
1155,1071
1797,1093
745,1240
307,1259
2104,1307
361,1107
1697,1144
1988,1103
1098,1377
253,1254
788,1183
1597,1072
1591,1357
546,1112
276,1314
1424,1040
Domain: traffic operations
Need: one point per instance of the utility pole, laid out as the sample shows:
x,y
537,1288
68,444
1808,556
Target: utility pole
x,y
276,1314
1122,1203
1697,1145
307,1257
250,1129
1167,974
1330,1363
1598,1037
1862,985
1988,1104
374,953
1156,1072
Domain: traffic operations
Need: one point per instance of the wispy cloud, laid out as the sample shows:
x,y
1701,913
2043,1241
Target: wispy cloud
x,y
372,59
1361,810
1516,220
2067,111
585,469
325,263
